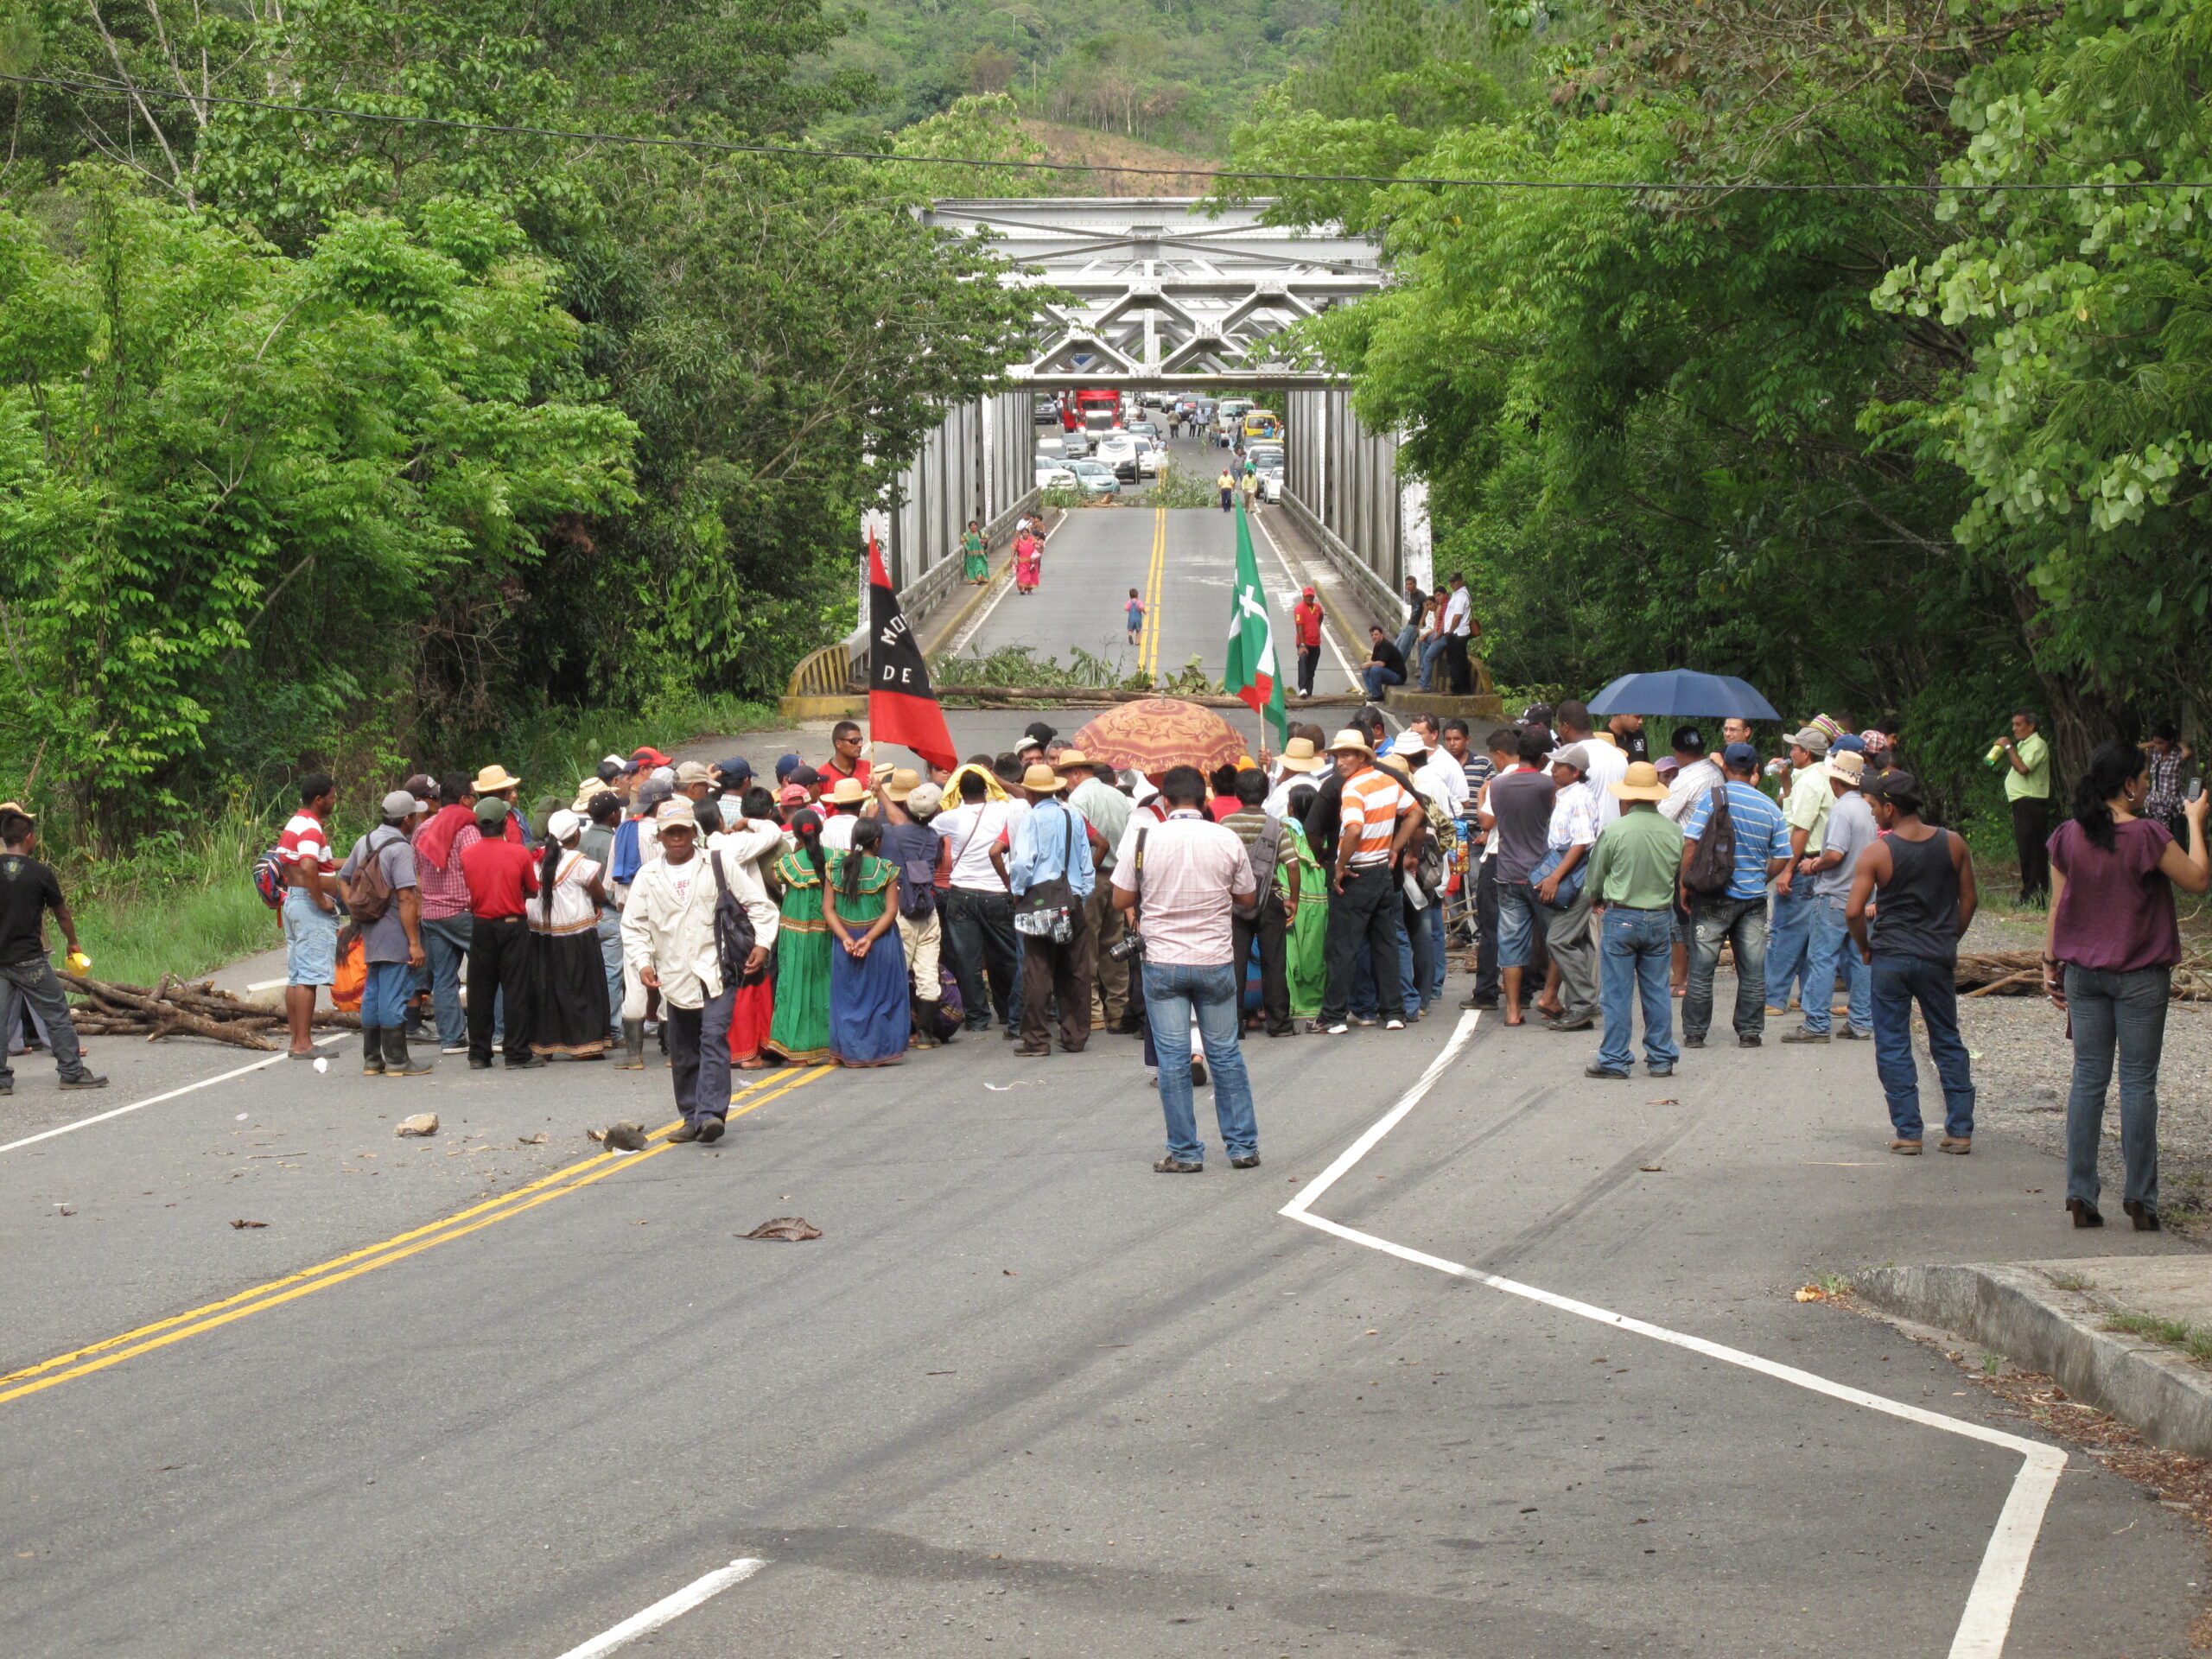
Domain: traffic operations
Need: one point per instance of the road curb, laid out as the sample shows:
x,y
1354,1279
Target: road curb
x,y
2027,1312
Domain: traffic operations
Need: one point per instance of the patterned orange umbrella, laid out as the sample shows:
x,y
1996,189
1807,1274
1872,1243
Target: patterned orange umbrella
x,y
1158,732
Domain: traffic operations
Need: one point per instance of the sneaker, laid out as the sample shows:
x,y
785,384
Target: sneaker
x,y
1337,1030
1245,1160
1177,1166
1748,1042
1605,1071
1393,1024
84,1080
1804,1034
462,1048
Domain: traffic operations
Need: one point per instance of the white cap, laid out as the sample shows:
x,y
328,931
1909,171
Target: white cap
x,y
563,824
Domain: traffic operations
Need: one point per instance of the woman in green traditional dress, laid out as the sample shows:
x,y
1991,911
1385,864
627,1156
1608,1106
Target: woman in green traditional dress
x,y
871,1004
1303,945
977,565
800,1031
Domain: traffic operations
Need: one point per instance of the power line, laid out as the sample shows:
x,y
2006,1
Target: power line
x,y
800,153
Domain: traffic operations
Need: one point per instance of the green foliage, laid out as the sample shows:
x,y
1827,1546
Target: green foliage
x,y
236,479
1020,665
1180,486
1168,71
329,442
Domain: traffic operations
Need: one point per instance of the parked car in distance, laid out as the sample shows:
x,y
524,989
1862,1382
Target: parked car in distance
x,y
1074,446
1048,411
1152,455
1052,444
1051,474
1119,451
1229,416
1095,478
1270,479
1145,429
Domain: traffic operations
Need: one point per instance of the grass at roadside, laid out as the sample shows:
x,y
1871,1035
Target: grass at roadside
x,y
2193,1340
182,902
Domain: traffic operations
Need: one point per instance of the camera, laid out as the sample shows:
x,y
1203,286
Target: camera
x,y
1128,948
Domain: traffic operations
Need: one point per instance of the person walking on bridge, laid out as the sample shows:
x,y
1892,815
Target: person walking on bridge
x,y
1227,484
1305,617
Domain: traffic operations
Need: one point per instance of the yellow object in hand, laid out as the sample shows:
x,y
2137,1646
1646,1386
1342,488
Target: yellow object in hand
x,y
78,961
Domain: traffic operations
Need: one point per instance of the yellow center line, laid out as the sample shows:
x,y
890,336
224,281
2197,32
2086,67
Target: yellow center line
x,y
1149,659
113,1350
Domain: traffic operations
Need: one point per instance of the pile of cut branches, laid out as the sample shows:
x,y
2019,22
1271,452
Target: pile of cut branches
x,y
176,1008
2020,973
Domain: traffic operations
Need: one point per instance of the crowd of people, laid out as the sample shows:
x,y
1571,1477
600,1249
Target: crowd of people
x,y
849,913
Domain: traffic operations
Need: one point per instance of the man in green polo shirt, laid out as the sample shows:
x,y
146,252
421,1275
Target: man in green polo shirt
x,y
1632,871
2027,790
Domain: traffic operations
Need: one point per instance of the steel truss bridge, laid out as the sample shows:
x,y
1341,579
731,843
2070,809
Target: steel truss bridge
x,y
1143,293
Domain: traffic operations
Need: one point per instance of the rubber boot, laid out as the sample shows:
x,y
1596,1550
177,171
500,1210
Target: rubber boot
x,y
372,1051
633,1046
925,1015
396,1061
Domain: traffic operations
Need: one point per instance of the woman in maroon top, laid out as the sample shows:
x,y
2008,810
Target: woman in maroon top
x,y
2108,962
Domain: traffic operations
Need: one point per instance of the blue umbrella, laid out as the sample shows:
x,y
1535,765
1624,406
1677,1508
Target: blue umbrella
x,y
1682,694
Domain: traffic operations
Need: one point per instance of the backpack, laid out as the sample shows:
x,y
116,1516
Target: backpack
x,y
1428,867
269,879
918,884
733,936
368,895
1712,861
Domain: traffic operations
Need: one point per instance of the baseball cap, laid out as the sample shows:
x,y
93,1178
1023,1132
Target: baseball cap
x,y
692,772
401,804
805,777
736,770
1736,756
1573,755
1812,740
676,811
647,756
786,765
611,768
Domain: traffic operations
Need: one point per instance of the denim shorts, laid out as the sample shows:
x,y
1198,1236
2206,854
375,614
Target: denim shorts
x,y
310,940
1517,924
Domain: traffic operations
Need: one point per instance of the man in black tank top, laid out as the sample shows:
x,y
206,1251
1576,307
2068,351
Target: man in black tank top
x,y
1919,880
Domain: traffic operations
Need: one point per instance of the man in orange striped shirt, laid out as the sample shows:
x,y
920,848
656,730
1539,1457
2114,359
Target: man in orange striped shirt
x,y
1379,821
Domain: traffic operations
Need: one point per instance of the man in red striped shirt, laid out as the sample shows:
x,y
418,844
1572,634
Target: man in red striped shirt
x,y
312,895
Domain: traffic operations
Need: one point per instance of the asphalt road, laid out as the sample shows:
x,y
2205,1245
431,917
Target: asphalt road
x,y
1023,1395
1182,559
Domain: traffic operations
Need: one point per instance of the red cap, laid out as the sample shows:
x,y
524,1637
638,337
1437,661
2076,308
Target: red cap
x,y
650,756
1309,592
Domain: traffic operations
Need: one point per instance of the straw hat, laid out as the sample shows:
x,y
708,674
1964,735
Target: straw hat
x,y
1353,739
847,792
1848,764
491,779
1044,780
903,782
18,806
1640,783
1297,755
1074,760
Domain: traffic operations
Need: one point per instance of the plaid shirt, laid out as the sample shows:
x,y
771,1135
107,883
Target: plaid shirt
x,y
2164,799
445,893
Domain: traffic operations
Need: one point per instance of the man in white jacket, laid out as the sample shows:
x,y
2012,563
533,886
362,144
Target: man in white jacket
x,y
668,941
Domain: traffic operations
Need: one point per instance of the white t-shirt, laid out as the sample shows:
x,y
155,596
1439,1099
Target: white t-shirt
x,y
1444,778
1458,613
1608,766
837,831
971,831
682,876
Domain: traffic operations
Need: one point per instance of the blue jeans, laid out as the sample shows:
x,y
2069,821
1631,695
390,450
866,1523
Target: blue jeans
x,y
1406,635
1430,650
384,997
1636,953
2126,1012
1374,677
1899,982
1789,941
1742,923
1517,924
1171,993
310,940
1832,946
445,941
1439,961
610,955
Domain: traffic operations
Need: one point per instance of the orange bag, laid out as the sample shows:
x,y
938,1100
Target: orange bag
x,y
352,976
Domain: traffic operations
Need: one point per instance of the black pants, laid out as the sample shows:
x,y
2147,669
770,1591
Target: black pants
x,y
1268,928
979,936
1486,985
1309,659
2031,829
1458,673
500,960
1364,914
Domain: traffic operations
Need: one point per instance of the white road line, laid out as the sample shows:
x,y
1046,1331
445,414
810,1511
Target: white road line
x,y
975,623
155,1100
1328,633
668,1609
1988,1616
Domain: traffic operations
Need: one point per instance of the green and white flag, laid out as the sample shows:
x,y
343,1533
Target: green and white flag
x,y
1252,674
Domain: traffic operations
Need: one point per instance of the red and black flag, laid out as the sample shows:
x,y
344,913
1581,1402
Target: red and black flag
x,y
901,708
